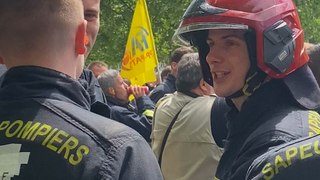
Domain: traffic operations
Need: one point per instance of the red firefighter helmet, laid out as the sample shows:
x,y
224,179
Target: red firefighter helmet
x,y
275,50
279,36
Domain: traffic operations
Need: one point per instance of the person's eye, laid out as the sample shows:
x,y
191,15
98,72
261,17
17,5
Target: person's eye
x,y
228,43
90,16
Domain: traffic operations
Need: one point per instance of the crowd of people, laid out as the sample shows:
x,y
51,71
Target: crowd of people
x,y
239,99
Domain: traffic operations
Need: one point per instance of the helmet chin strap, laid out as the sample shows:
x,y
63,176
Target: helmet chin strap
x,y
252,83
255,77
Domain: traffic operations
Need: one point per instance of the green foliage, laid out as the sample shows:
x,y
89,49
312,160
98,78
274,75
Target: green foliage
x,y
310,19
116,16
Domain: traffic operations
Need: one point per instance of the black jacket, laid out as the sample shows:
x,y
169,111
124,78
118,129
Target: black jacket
x,y
166,87
47,132
98,100
218,120
134,116
269,118
91,84
295,160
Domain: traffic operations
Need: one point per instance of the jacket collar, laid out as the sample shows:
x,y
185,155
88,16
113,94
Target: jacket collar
x,y
189,93
38,82
114,102
171,79
269,97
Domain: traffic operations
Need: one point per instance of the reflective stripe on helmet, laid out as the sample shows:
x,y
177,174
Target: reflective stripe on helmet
x,y
180,40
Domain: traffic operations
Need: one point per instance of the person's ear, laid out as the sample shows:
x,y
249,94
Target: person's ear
x,y
81,38
202,85
111,92
206,88
174,65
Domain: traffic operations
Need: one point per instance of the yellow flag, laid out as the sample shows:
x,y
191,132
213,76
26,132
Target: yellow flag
x,y
140,58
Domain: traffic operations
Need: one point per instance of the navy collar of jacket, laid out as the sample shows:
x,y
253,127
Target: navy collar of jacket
x,y
114,102
171,79
271,96
38,82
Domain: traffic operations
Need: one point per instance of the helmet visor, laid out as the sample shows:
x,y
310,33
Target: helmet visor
x,y
180,39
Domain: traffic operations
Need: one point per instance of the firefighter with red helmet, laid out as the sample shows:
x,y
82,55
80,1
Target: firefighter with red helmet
x,y
252,52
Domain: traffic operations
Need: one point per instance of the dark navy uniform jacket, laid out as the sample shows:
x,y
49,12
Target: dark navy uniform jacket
x,y
270,117
91,84
136,117
296,160
166,87
47,132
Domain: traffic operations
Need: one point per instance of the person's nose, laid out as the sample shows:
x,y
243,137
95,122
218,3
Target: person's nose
x,y
214,55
